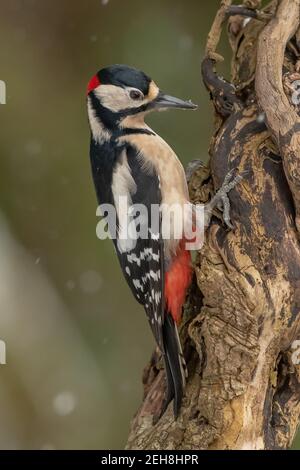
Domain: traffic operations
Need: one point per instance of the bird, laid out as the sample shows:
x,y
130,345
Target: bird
x,y
130,160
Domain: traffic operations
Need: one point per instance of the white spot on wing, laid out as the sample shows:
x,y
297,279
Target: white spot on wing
x,y
133,259
154,236
155,275
137,284
123,186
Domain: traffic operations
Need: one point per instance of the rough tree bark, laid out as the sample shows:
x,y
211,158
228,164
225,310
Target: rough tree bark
x,y
242,312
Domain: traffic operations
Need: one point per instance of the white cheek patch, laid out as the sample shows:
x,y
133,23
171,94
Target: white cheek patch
x,y
116,98
112,97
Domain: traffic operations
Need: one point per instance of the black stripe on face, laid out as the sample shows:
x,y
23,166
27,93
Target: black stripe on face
x,y
132,111
108,118
111,119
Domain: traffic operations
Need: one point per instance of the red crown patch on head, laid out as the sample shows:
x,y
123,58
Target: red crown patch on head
x,y
93,83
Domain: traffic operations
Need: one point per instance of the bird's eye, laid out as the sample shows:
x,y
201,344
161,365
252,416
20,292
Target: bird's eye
x,y
136,95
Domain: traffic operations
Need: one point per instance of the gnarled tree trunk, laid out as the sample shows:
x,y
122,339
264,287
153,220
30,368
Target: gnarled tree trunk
x,y
242,314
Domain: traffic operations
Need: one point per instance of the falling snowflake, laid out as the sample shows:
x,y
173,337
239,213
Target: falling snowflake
x,y
186,42
33,147
261,118
125,386
47,446
90,282
64,403
70,284
246,21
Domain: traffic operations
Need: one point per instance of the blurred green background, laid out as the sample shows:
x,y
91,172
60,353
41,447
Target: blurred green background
x,y
76,340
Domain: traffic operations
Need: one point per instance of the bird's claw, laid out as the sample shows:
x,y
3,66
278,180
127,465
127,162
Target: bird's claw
x,y
221,199
230,181
226,211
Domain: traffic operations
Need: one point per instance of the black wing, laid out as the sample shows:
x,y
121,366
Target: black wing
x,y
143,266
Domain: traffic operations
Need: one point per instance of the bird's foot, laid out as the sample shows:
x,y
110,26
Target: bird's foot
x,y
221,199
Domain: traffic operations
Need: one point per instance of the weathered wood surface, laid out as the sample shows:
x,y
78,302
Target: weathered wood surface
x,y
242,314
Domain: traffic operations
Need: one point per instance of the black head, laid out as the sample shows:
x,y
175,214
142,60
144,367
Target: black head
x,y
119,91
125,77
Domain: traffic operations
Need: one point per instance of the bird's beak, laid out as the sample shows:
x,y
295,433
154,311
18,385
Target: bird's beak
x,y
163,101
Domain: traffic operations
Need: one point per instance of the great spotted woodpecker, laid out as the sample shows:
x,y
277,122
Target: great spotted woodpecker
x,y
130,160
